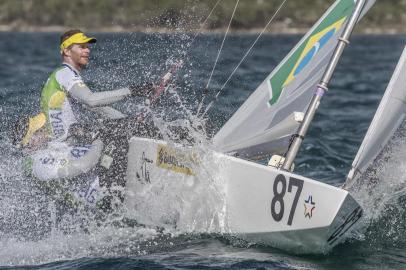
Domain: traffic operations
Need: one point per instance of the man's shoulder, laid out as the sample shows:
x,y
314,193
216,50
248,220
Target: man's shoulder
x,y
66,71
67,77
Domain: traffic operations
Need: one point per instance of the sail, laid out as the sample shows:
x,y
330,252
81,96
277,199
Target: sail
x,y
389,116
266,121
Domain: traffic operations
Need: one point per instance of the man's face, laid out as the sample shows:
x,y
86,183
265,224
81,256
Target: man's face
x,y
79,54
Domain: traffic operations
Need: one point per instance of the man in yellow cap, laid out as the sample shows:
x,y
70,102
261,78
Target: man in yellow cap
x,y
44,136
65,94
62,99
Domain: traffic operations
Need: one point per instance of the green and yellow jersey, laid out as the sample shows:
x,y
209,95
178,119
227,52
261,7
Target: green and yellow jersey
x,y
55,103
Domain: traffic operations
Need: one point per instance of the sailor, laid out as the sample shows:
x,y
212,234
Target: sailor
x,y
58,147
65,94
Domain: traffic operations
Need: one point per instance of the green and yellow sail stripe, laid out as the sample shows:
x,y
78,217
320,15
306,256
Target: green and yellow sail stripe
x,y
307,50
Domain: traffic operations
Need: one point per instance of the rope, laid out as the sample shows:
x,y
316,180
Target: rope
x,y
194,38
245,55
222,43
203,23
252,46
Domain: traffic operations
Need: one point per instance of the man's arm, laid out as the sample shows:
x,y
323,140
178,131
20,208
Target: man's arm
x,y
78,90
109,112
82,93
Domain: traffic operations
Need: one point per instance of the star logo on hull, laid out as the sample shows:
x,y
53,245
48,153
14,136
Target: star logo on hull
x,y
309,206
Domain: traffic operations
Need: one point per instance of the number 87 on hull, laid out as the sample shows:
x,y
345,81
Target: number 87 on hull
x,y
286,210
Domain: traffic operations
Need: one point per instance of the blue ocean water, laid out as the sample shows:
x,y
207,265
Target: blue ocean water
x,y
119,59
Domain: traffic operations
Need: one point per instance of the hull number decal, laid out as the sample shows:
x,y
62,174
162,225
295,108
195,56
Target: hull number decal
x,y
280,180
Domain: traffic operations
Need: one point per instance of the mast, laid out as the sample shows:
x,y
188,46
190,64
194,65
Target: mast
x,y
322,87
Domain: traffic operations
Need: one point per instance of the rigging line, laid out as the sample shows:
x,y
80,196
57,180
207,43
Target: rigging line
x,y
198,32
188,46
203,23
245,55
185,53
252,46
199,107
222,43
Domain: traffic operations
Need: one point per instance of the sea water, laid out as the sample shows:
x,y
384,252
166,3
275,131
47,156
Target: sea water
x,y
31,237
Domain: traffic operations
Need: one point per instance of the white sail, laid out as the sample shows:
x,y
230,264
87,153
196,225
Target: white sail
x,y
266,121
388,117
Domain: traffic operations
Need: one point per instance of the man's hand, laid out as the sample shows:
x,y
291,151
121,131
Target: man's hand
x,y
151,91
141,90
165,80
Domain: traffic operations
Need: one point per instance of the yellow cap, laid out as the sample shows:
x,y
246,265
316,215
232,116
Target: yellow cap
x,y
78,38
34,124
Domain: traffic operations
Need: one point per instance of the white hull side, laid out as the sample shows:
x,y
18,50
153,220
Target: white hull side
x,y
315,216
